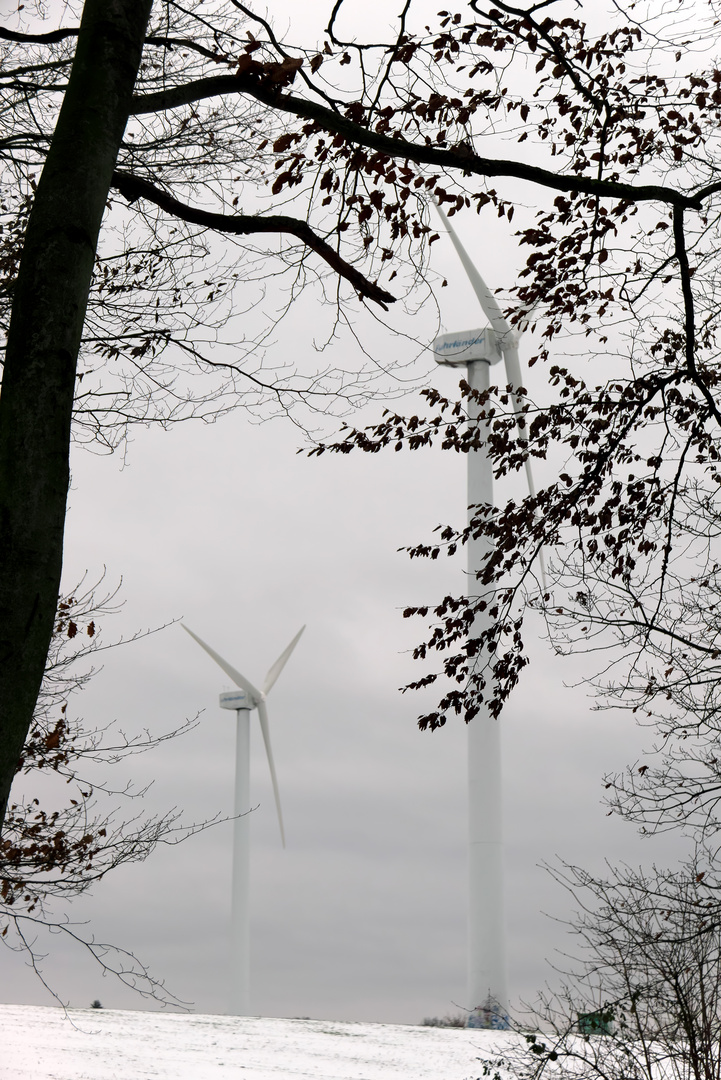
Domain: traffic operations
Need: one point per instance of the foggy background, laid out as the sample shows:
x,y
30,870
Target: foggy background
x,y
227,527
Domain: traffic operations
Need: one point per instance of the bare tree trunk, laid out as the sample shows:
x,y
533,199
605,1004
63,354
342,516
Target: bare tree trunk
x,y
44,338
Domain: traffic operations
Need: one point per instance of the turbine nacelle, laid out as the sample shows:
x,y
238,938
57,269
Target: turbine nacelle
x,y
236,699
467,346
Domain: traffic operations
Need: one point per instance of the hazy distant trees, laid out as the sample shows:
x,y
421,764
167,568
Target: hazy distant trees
x,y
452,1020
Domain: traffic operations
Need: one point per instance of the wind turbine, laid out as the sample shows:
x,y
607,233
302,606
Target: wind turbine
x,y
487,986
243,701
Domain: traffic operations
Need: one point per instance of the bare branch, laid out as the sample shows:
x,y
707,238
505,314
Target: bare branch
x,y
132,188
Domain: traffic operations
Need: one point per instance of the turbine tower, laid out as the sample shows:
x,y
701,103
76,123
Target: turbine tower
x,y
487,986
243,701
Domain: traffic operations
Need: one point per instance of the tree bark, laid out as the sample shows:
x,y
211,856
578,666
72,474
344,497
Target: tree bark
x,y
49,304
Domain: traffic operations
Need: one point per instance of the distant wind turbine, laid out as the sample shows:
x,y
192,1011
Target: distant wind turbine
x,y
243,701
487,986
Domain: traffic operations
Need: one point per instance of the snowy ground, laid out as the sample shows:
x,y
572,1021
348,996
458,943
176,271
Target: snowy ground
x,y
87,1044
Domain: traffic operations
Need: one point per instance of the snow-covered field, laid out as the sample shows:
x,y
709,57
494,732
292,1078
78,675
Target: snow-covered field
x,y
94,1044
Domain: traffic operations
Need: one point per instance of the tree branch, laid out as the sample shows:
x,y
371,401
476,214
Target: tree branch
x,y
50,38
689,312
395,146
185,43
132,188
542,29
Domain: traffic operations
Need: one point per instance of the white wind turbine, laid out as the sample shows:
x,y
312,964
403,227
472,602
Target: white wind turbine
x,y
243,701
487,987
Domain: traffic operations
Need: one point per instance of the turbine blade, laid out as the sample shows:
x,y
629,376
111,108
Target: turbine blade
x,y
280,663
237,678
515,379
491,307
532,493
263,717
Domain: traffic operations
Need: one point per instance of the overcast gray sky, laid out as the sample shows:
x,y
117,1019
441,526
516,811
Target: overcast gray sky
x,y
363,916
